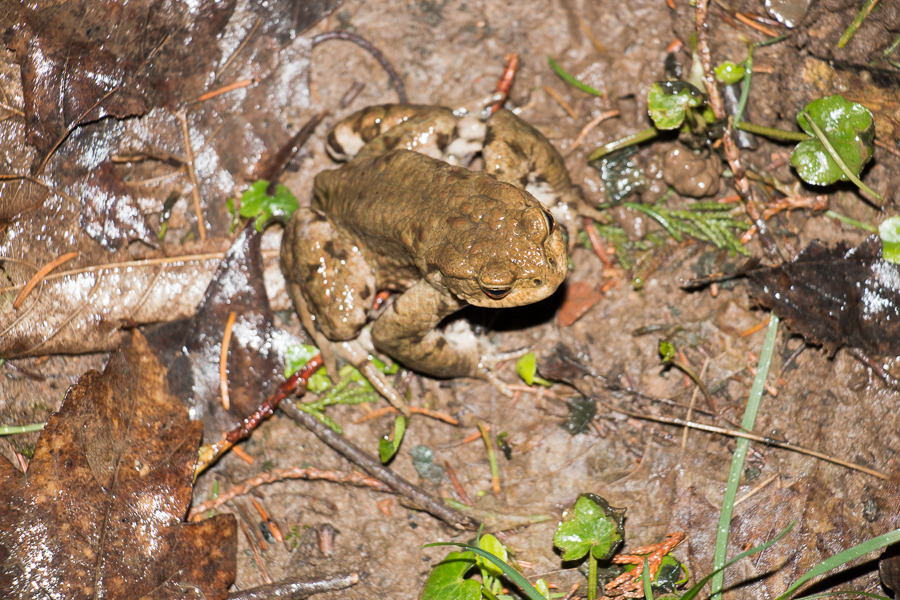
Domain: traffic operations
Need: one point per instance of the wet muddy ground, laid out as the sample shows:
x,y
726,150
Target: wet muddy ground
x,y
452,52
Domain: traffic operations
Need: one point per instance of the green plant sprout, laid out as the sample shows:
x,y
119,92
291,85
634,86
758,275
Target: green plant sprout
x,y
256,202
594,529
838,142
526,367
707,221
352,387
388,445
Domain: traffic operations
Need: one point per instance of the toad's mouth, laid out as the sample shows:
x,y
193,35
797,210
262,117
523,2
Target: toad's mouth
x,y
496,292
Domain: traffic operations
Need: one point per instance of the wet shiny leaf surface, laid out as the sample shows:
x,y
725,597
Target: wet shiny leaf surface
x,y
99,512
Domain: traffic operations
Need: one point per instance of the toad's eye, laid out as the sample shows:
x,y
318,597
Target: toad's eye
x,y
551,222
496,292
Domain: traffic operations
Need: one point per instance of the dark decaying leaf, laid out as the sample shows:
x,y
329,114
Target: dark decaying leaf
x,y
109,212
836,296
81,63
19,195
256,351
99,512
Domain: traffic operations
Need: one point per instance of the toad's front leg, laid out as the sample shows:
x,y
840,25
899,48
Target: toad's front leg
x,y
408,331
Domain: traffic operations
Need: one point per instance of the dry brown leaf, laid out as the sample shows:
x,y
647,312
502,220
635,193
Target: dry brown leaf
x,y
579,298
78,309
100,511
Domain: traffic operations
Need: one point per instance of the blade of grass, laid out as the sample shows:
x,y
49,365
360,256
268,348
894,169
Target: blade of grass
x,y
492,458
16,429
648,590
628,140
841,558
857,22
740,453
852,222
820,135
511,573
571,80
771,132
692,593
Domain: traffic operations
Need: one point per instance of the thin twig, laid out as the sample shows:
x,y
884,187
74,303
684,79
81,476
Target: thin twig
x,y
750,436
590,127
373,467
561,102
242,45
756,490
297,589
309,473
223,90
371,49
416,410
731,151
192,174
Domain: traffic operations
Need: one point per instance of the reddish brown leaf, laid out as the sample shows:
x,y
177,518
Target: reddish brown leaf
x,y
579,298
100,510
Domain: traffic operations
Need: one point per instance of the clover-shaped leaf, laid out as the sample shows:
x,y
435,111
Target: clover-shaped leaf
x,y
846,126
591,526
256,202
667,102
448,579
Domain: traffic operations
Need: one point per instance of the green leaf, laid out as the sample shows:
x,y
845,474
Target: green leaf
x,y
255,202
889,231
848,127
541,586
447,580
667,102
296,357
729,73
527,370
511,574
592,526
319,381
382,366
667,351
491,544
388,447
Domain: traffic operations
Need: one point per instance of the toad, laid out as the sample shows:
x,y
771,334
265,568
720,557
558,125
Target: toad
x,y
406,215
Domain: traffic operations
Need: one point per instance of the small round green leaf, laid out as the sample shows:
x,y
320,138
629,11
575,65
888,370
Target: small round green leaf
x,y
729,73
667,102
889,231
448,579
666,351
592,526
850,129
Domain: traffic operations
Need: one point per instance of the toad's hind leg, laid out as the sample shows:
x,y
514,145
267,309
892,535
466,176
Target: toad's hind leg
x,y
329,272
407,330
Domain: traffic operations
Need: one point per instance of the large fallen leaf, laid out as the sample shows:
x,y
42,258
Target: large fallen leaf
x,y
99,512
81,308
82,61
836,296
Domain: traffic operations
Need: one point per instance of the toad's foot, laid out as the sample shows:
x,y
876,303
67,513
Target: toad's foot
x,y
353,352
488,362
